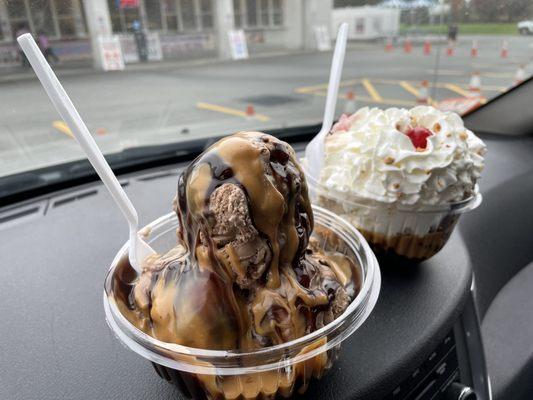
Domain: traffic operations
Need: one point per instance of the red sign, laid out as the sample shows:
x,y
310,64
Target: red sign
x,y
128,3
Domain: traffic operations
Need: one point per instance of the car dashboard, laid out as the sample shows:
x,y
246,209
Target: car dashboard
x,y
422,336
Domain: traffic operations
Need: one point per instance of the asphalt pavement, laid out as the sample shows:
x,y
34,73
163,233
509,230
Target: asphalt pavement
x,y
169,102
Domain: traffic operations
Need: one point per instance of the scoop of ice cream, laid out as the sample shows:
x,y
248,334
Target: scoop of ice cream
x,y
249,176
243,275
417,156
238,246
174,301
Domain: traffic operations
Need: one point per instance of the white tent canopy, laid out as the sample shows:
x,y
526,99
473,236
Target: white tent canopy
x,y
401,4
408,5
422,4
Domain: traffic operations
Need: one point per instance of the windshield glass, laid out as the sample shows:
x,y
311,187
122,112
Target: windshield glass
x,y
152,72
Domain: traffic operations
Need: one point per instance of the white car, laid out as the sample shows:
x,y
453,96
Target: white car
x,y
525,27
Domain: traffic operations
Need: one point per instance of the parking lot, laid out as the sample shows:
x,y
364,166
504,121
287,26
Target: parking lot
x,y
165,102
400,92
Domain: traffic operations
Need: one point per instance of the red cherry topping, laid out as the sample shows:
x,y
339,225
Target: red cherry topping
x,y
419,136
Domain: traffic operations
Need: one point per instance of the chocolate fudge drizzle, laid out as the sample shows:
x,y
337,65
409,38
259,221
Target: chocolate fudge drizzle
x,y
245,275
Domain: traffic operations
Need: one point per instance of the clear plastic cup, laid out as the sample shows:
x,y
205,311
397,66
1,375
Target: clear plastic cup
x,y
266,373
413,233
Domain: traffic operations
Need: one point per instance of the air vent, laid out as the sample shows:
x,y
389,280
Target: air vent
x,y
73,197
17,215
158,175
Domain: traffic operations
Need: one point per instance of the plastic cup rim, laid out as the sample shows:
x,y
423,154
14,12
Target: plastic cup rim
x,y
157,351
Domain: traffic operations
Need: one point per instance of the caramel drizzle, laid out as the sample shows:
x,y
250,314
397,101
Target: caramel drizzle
x,y
170,300
277,197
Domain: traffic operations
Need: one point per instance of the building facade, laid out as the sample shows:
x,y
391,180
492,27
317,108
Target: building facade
x,y
185,28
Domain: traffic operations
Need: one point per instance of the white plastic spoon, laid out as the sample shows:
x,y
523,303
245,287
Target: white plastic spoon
x,y
314,152
138,249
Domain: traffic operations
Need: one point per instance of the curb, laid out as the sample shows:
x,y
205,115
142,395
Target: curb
x,y
28,75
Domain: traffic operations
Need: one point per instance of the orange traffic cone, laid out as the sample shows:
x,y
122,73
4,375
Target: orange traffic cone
x,y
473,51
388,45
250,111
450,50
427,47
407,46
520,75
423,95
351,105
504,51
474,86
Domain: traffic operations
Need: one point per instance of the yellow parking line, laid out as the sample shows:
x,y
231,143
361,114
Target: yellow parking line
x,y
439,84
457,89
350,82
410,88
386,81
309,89
462,92
372,91
414,91
364,99
230,111
62,127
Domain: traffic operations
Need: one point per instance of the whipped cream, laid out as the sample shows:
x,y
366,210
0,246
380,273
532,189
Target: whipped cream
x,y
370,155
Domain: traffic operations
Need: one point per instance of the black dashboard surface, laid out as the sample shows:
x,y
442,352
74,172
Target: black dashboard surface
x,y
55,344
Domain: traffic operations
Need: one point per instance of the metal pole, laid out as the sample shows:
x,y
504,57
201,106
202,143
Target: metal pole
x,y
437,58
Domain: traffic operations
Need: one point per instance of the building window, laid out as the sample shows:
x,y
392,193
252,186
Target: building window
x,y
171,15
131,19
237,13
114,13
277,12
164,15
41,15
57,19
251,12
265,13
123,19
195,15
65,17
258,13
206,14
188,15
153,15
16,9
359,25
18,16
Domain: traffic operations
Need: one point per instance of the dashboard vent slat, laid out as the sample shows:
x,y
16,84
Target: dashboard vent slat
x,y
157,175
18,214
21,214
74,197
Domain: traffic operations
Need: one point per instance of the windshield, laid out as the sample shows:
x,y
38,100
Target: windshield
x,y
155,72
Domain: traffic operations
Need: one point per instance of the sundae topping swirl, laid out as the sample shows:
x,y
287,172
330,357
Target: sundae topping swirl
x,y
418,156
